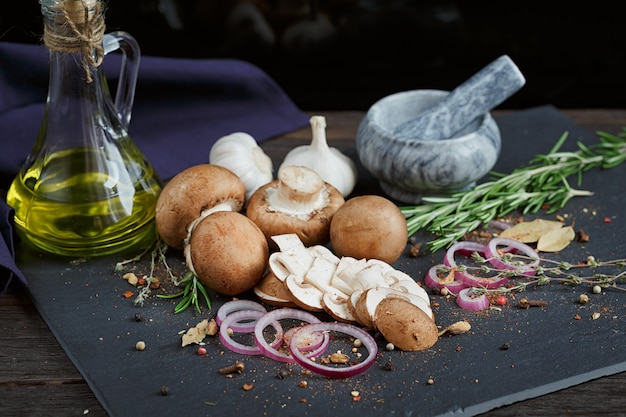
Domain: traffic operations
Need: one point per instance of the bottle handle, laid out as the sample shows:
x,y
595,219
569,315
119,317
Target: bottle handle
x,y
131,54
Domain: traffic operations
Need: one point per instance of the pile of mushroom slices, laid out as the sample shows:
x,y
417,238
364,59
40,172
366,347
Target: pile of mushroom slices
x,y
358,291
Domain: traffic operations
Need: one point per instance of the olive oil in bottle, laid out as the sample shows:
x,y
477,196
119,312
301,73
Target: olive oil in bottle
x,y
64,209
85,189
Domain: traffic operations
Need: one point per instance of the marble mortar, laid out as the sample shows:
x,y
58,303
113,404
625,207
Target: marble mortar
x,y
408,168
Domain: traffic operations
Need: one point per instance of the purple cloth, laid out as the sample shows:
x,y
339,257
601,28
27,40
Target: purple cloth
x,y
8,268
182,106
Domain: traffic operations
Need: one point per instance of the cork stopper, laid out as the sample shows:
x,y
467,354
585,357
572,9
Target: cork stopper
x,y
76,11
75,26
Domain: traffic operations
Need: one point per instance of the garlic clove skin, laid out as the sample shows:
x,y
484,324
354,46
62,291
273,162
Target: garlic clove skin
x,y
330,164
240,153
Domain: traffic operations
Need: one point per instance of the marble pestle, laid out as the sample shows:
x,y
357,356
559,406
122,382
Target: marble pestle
x,y
475,97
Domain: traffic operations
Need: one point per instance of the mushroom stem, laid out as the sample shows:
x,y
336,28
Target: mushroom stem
x,y
228,205
300,192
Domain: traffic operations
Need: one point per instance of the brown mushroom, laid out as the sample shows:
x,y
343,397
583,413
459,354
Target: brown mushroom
x,y
272,291
305,295
370,227
338,308
298,202
405,325
368,303
227,252
193,193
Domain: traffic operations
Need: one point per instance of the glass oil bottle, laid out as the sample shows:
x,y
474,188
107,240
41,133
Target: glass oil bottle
x,y
85,189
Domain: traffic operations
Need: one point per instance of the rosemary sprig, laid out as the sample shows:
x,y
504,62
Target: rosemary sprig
x,y
191,292
543,183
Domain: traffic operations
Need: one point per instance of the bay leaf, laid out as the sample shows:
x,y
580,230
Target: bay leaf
x,y
530,232
450,277
556,240
196,334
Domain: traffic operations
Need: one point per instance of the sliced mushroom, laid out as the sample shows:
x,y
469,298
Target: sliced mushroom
x,y
369,300
352,290
318,276
287,241
337,308
351,303
272,291
366,318
405,325
346,271
369,277
411,287
394,275
384,266
324,252
305,295
294,261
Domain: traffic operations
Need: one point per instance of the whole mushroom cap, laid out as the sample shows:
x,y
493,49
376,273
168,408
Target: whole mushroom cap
x,y
228,252
191,192
371,227
312,230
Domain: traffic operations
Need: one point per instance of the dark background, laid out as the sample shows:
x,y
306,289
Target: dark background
x,y
346,54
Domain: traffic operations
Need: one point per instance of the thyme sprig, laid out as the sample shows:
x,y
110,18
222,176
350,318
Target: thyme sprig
x,y
544,182
546,272
157,252
193,289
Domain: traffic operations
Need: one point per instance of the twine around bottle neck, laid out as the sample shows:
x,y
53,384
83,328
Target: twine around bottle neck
x,y
67,32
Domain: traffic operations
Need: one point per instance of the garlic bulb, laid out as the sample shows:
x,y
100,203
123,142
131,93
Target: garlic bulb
x,y
240,153
330,164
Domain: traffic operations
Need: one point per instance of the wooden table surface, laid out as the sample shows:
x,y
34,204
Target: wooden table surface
x,y
38,379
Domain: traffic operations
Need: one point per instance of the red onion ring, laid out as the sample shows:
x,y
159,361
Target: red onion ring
x,y
432,280
464,248
492,254
275,316
237,305
229,323
498,224
330,371
467,248
315,341
468,300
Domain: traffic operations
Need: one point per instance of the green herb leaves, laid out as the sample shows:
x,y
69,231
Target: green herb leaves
x,y
544,183
193,290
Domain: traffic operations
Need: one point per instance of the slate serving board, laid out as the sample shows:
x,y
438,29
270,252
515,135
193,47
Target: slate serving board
x,y
509,355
